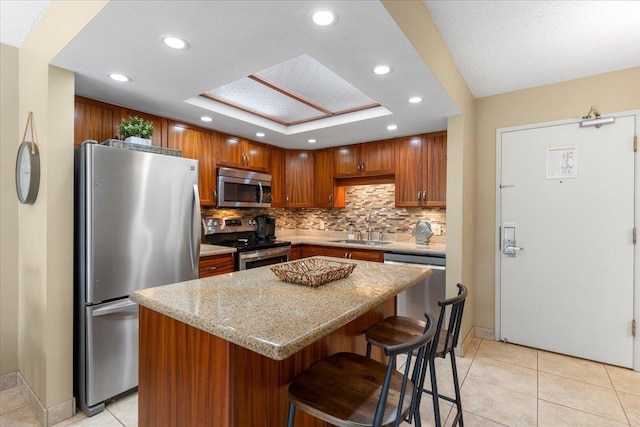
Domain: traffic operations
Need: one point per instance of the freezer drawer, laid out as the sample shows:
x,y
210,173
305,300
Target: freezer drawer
x,y
112,350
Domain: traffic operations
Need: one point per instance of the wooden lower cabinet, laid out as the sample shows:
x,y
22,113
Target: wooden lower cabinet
x,y
295,253
190,378
216,264
307,251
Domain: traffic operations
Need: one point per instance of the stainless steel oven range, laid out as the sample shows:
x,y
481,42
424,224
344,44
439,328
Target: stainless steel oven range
x,y
240,233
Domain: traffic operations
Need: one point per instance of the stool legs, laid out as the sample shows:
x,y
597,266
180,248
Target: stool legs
x,y
456,386
435,395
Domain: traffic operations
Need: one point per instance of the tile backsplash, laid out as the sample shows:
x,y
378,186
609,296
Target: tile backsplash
x,y
396,224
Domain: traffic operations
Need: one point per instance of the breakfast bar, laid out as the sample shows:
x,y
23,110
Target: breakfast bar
x,y
221,351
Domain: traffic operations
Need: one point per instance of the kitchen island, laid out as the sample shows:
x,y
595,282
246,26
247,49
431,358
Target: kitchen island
x,y
221,351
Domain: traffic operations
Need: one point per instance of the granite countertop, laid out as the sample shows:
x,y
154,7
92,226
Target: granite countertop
x,y
411,248
255,310
209,250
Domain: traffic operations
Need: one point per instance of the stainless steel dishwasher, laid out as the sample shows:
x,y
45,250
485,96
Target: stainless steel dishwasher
x,y
423,296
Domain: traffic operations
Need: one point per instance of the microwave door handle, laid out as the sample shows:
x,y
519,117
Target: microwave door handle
x,y
261,194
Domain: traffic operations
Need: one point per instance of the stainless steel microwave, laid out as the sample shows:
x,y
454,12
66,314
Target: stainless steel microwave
x,y
243,189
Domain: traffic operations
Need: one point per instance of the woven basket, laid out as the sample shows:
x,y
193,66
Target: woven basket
x,y
312,272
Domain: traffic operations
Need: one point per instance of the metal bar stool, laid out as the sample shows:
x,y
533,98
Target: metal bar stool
x,y
348,389
397,329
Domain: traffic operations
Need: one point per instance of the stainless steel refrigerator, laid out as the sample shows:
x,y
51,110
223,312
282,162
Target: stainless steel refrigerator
x,y
137,225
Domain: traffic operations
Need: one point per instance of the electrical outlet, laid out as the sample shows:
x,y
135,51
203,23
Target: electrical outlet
x,y
437,229
321,224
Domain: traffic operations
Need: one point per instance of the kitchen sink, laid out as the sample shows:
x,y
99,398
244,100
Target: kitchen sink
x,y
362,242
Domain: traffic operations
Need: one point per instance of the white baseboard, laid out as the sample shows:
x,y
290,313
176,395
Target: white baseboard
x,y
46,416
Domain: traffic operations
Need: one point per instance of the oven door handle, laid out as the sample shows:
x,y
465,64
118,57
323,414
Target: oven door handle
x,y
265,253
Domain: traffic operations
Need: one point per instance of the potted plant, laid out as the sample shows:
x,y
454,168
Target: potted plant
x,y
136,130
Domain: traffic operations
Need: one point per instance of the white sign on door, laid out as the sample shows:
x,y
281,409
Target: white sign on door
x,y
562,162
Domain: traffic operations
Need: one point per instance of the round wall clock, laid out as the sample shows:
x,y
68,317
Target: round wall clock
x,y
28,172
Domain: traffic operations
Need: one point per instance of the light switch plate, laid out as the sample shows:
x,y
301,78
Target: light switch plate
x,y
437,229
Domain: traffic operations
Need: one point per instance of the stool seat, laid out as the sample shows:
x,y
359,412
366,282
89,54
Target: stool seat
x,y
396,330
346,387
351,390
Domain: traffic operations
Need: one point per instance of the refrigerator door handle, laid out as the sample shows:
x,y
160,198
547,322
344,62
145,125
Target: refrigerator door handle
x,y
123,307
195,229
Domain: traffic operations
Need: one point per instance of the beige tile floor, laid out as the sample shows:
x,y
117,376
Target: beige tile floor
x,y
502,385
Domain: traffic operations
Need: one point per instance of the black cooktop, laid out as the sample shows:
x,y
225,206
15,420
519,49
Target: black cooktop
x,y
243,241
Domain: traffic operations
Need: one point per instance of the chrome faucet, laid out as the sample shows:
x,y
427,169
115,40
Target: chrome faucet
x,y
369,232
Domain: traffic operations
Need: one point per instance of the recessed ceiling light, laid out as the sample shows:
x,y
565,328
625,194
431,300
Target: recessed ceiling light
x,y
323,17
260,134
382,69
175,43
119,77
206,119
415,99
311,141
392,127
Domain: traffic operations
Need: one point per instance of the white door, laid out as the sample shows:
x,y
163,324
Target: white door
x,y
567,197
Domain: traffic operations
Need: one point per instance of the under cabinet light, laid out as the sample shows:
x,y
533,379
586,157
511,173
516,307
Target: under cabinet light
x,y
206,119
415,100
392,127
311,141
260,134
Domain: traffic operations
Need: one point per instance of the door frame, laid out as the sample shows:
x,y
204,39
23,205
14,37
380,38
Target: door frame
x,y
498,221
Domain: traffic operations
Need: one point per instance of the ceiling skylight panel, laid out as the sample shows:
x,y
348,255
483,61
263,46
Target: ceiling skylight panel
x,y
255,97
309,79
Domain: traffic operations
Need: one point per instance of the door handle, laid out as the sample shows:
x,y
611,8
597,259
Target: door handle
x,y
511,250
509,240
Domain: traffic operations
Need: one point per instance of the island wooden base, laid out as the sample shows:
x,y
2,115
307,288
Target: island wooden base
x,y
188,377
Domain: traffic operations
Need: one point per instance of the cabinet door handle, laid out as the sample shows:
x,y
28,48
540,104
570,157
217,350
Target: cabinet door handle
x,y
419,193
346,255
330,197
362,167
212,268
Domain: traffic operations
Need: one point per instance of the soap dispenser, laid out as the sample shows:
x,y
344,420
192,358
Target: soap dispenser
x,y
352,234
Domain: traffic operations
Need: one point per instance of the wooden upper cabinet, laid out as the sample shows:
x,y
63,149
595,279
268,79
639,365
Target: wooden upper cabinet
x,y
101,121
197,144
94,120
325,193
437,170
242,153
277,171
421,170
378,158
159,125
346,161
368,159
299,179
